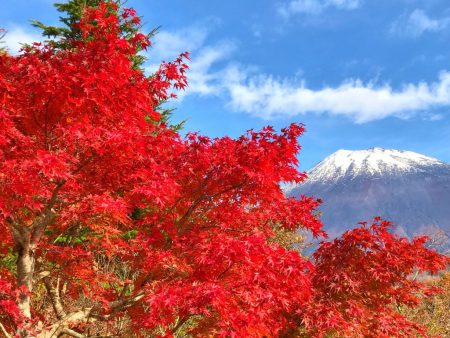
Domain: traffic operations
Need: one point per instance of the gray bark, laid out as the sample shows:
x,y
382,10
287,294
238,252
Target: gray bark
x,y
25,272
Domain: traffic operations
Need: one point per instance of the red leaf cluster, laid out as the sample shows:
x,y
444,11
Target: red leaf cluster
x,y
10,314
361,278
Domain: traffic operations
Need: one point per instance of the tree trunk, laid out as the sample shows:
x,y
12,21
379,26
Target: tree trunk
x,y
25,272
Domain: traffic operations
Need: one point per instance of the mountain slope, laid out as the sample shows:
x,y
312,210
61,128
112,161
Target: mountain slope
x,y
407,188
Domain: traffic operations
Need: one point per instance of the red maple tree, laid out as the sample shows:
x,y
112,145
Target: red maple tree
x,y
111,218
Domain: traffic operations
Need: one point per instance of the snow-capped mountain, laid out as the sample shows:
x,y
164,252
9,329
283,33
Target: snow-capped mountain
x,y
408,188
375,162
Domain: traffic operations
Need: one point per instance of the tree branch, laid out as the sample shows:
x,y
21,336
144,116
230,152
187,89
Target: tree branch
x,y
179,324
83,164
202,198
89,314
47,217
53,292
2,328
122,304
72,333
225,271
41,223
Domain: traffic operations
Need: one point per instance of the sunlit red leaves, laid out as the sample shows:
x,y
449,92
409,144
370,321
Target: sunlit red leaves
x,y
79,114
168,75
242,285
360,278
9,312
229,197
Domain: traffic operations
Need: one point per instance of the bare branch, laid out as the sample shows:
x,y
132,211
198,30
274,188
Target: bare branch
x,y
179,324
41,274
72,333
120,305
72,318
90,314
53,292
2,328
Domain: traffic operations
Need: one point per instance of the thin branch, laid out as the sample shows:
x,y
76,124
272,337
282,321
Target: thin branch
x,y
7,335
83,164
120,305
225,271
202,198
190,210
72,333
41,223
179,324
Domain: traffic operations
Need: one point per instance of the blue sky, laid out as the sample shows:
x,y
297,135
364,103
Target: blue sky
x,y
357,73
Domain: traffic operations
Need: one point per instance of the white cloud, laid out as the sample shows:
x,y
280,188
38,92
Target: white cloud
x,y
315,6
167,45
417,23
16,35
268,98
245,89
202,80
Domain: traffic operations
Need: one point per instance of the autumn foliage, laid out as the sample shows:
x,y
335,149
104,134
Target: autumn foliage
x,y
113,223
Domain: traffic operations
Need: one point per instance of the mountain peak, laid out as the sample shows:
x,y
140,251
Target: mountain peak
x,y
374,161
407,188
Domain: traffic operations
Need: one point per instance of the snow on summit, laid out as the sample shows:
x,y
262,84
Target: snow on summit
x,y
374,161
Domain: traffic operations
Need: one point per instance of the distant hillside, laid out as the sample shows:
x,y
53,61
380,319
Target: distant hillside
x,y
410,189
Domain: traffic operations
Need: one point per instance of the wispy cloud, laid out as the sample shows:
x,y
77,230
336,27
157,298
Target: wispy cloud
x,y
417,23
315,6
16,35
247,90
202,79
167,45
